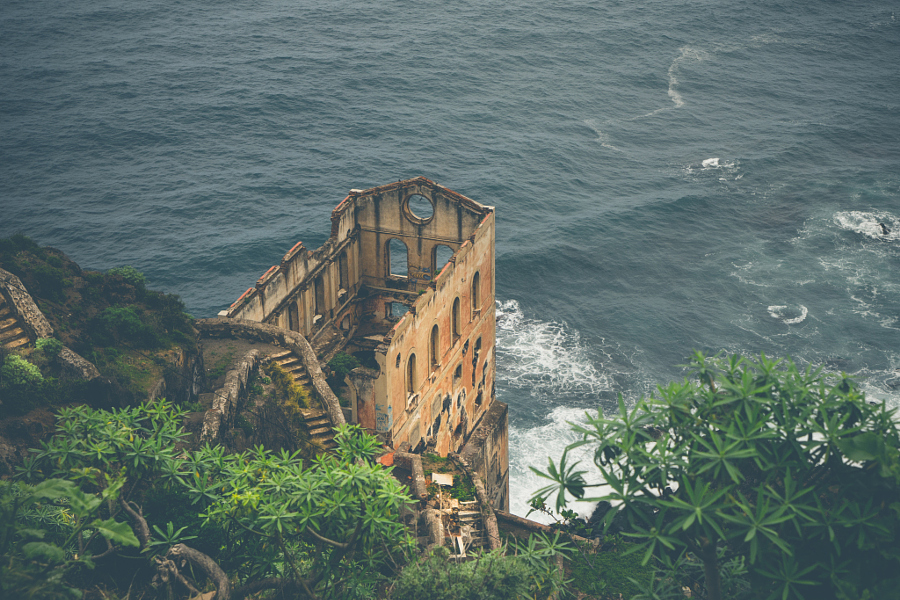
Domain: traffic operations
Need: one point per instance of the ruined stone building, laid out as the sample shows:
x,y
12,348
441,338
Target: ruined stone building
x,y
406,284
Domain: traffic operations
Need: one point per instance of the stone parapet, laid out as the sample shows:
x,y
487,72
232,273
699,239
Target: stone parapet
x,y
270,334
226,400
24,307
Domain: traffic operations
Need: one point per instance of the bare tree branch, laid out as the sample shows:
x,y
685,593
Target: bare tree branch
x,y
327,541
272,583
109,550
212,568
142,530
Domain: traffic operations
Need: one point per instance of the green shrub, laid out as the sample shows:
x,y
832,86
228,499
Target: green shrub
x,y
50,347
529,573
792,471
130,275
330,526
51,281
17,243
123,324
341,365
18,372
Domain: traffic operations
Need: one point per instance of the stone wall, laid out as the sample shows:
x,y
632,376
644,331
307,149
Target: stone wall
x,y
220,418
252,330
487,452
37,326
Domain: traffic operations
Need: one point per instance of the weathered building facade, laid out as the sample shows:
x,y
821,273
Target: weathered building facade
x,y
406,283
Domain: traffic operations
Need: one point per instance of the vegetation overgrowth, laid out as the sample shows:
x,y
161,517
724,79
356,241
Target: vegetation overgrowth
x,y
321,529
110,318
755,479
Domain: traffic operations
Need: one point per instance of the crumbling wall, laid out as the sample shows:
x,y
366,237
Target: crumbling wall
x,y
251,330
487,453
309,288
220,418
435,380
448,337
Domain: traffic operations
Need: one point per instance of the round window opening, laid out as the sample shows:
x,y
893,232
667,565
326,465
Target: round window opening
x,y
419,208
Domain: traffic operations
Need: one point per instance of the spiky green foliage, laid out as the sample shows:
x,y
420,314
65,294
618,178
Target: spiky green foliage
x,y
324,528
791,469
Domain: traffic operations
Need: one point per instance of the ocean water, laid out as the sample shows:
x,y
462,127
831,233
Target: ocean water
x,y
668,176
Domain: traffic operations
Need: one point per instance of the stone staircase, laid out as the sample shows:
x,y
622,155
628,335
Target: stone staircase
x,y
471,526
291,363
12,335
318,425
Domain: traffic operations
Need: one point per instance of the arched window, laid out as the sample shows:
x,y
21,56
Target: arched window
x,y
442,255
435,347
476,292
454,320
397,258
411,374
293,317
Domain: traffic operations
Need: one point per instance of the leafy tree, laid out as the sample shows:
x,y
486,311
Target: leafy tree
x,y
45,531
791,470
319,530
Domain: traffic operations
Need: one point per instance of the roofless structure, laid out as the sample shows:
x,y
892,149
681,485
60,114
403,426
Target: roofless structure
x,y
405,283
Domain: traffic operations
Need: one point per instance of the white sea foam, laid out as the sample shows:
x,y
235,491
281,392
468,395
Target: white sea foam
x,y
868,223
603,138
723,168
543,356
533,447
547,360
793,314
685,53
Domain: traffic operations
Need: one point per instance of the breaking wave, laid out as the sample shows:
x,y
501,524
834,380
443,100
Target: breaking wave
x,y
532,447
547,362
544,356
869,224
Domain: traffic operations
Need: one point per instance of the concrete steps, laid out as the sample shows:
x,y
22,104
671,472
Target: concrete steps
x,y
291,363
328,342
319,427
12,334
316,421
471,526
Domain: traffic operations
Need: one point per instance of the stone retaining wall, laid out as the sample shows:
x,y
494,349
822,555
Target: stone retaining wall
x,y
220,417
37,326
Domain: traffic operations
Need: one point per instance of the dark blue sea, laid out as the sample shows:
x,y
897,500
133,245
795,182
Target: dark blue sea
x,y
668,175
